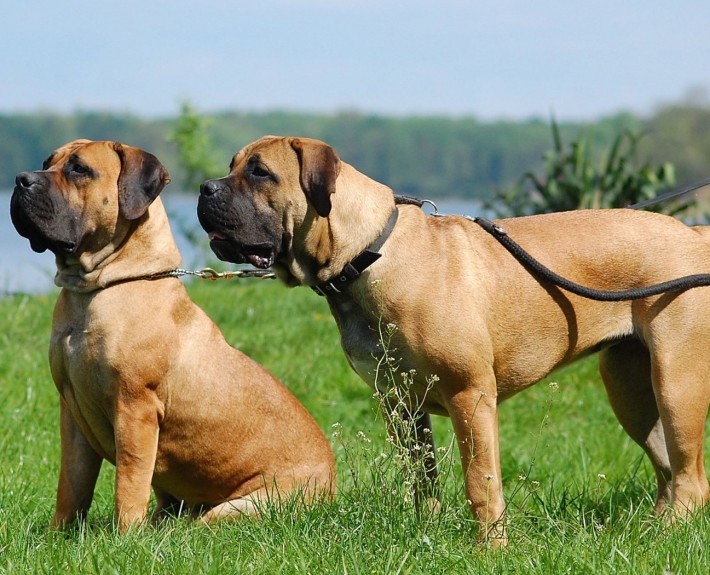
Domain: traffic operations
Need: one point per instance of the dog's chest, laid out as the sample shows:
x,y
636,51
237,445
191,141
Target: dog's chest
x,y
377,352
359,339
87,392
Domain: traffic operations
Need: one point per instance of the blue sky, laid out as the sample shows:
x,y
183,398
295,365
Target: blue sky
x,y
508,59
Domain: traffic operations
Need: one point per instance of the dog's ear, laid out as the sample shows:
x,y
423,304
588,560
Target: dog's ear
x,y
320,166
142,178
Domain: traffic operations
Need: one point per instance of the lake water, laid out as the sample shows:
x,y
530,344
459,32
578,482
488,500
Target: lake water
x,y
24,271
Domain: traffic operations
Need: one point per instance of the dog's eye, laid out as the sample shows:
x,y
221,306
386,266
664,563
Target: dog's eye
x,y
259,172
74,168
47,162
80,170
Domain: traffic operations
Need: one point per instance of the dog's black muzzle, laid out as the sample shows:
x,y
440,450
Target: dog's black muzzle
x,y
28,181
238,231
45,223
212,187
214,206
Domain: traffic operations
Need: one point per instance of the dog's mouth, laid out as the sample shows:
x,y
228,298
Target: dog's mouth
x,y
64,248
36,220
261,256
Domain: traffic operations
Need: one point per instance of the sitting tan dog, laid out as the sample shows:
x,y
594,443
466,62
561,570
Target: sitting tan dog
x,y
146,379
468,312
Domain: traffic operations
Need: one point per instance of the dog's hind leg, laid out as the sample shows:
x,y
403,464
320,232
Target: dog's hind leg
x,y
681,388
234,509
626,372
166,505
412,431
428,496
250,505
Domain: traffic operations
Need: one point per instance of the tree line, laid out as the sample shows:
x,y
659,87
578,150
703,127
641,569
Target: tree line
x,y
421,156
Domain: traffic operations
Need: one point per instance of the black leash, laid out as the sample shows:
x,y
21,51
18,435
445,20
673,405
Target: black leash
x,y
670,195
539,270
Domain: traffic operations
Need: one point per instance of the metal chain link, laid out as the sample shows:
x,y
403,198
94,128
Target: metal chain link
x,y
210,274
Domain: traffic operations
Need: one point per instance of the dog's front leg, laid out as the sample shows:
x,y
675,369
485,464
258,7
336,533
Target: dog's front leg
x,y
413,433
427,490
474,414
80,466
136,430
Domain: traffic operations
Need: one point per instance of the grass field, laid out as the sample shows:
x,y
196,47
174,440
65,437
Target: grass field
x,y
580,494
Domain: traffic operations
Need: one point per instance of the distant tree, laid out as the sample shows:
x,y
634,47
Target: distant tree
x,y
572,180
195,153
680,133
430,157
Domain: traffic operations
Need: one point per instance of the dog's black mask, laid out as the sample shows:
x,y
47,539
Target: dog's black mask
x,y
42,216
238,231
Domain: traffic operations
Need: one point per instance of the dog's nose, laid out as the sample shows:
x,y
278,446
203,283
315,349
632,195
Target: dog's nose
x,y
27,180
209,188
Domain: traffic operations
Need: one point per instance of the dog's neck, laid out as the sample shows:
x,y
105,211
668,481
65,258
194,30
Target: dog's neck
x,y
117,261
355,221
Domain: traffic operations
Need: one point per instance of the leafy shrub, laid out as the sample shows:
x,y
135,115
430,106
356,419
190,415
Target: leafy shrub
x,y
195,152
572,181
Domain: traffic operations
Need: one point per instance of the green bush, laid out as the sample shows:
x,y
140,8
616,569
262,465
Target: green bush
x,y
195,152
572,180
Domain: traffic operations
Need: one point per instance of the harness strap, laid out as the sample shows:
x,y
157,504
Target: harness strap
x,y
359,263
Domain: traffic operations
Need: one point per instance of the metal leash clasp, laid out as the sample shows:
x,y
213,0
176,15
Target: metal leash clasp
x,y
208,274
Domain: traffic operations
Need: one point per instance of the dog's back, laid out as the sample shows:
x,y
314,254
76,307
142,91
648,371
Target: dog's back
x,y
703,231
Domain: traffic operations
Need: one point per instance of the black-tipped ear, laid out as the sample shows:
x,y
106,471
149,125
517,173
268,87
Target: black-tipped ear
x,y
142,178
320,166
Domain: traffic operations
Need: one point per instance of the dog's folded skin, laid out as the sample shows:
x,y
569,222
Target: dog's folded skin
x,y
147,381
466,311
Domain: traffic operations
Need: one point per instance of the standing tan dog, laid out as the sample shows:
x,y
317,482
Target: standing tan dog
x,y
468,312
146,379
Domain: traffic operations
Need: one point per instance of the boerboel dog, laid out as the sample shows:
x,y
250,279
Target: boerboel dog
x,y
146,379
468,312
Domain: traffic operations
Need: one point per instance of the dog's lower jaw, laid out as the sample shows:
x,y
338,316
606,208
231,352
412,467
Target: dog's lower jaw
x,y
283,273
81,272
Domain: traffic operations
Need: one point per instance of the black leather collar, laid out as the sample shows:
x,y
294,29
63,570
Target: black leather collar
x,y
359,263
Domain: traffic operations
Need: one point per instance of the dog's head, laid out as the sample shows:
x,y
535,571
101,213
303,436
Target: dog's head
x,y
274,185
86,195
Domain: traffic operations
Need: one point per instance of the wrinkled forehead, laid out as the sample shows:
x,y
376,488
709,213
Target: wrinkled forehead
x,y
258,146
88,151
60,155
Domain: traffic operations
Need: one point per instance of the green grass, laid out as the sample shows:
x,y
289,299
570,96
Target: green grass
x,y
580,494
